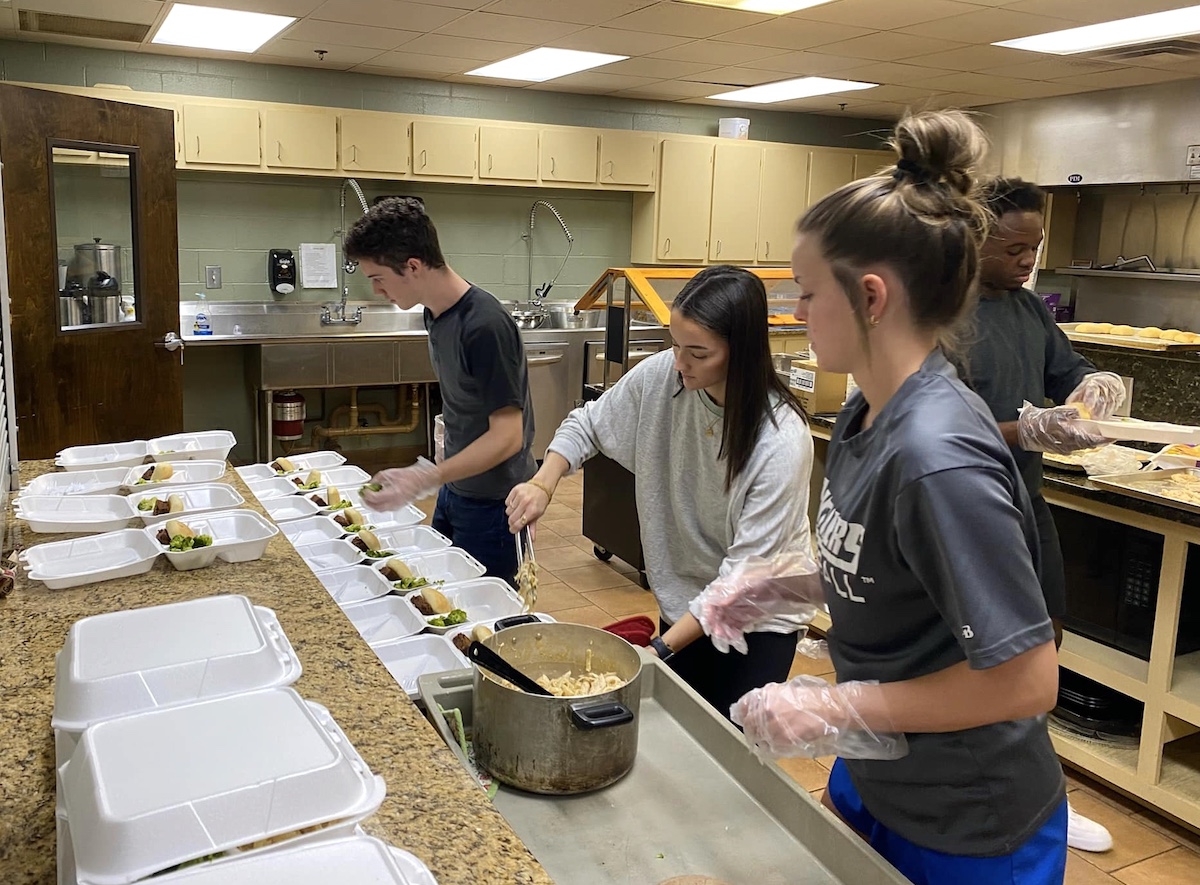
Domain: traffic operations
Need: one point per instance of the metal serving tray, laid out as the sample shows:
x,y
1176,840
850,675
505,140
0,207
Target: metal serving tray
x,y
697,802
1151,485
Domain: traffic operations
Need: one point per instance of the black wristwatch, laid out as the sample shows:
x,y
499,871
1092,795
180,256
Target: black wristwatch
x,y
664,650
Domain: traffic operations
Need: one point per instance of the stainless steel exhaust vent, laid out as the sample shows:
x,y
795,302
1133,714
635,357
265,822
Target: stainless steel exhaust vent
x,y
78,26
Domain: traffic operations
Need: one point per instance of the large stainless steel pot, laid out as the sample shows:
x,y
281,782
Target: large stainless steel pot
x,y
95,258
564,316
551,744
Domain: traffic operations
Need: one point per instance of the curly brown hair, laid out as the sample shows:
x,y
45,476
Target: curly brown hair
x,y
393,231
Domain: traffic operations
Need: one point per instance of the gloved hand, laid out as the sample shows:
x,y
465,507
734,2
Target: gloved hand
x,y
809,717
754,592
1101,392
1054,430
403,485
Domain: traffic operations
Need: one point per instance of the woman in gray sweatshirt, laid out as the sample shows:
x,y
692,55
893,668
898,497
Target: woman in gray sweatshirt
x,y
722,456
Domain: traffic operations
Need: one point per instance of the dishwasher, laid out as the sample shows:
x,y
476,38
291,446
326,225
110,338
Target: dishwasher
x,y
549,389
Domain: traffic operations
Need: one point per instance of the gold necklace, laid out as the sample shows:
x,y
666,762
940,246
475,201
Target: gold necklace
x,y
709,430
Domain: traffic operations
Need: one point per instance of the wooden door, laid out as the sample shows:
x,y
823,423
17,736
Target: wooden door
x,y
223,136
569,154
375,142
302,139
783,198
508,153
627,158
684,201
734,228
827,171
444,149
110,382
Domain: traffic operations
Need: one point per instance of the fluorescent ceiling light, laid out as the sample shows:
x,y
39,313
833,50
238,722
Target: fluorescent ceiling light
x,y
205,27
540,65
772,7
1107,35
786,90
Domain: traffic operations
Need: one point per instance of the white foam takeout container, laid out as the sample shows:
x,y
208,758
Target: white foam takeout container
x,y
384,619
287,508
238,536
491,625
207,445
149,791
270,489
311,530
355,583
125,454
328,555
70,563
410,659
196,499
345,478
186,473
408,515
411,539
303,463
1144,431
353,860
483,599
131,661
78,482
449,565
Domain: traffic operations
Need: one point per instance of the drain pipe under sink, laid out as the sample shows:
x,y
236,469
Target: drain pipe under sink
x,y
385,425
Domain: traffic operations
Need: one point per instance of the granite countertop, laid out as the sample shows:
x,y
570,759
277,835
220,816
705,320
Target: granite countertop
x,y
1057,481
433,808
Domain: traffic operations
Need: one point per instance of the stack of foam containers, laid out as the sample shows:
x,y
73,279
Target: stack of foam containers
x,y
178,740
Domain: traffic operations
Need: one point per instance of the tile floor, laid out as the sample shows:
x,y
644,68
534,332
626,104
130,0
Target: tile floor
x,y
576,587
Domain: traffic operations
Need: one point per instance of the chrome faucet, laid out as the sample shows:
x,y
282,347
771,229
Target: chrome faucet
x,y
1122,263
334,313
536,296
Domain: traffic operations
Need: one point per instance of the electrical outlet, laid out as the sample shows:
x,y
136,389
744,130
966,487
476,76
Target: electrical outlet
x,y
212,276
1193,155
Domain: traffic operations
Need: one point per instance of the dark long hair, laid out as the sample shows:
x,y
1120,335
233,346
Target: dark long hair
x,y
732,303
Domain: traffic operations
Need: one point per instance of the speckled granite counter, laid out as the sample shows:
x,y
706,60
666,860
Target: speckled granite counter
x,y
432,809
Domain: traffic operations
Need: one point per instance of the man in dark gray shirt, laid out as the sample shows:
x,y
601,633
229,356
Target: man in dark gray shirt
x,y
480,363
1018,355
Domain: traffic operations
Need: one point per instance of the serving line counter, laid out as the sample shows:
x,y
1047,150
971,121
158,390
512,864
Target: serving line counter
x,y
432,808
1161,768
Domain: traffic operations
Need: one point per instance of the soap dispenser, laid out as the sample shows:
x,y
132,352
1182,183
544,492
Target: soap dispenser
x,y
281,272
201,325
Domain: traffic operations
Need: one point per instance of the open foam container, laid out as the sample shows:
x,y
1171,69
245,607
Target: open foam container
x,y
449,565
410,659
146,792
207,445
196,499
356,583
186,473
143,659
282,509
237,536
106,513
125,454
63,564
384,619
311,530
483,600
77,482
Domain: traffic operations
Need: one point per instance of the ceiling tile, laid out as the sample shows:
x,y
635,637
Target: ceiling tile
x,y
398,14
668,90
348,35
890,72
988,26
794,33
961,100
593,12
882,110
1041,67
1093,11
593,81
974,58
618,42
809,63
716,52
463,48
1121,77
688,20
888,46
966,81
142,12
734,76
337,57
458,4
884,14
486,26
899,94
298,8
414,64
658,68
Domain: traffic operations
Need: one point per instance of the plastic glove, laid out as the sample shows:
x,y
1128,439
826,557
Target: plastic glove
x,y
809,717
403,485
754,592
1101,392
1054,430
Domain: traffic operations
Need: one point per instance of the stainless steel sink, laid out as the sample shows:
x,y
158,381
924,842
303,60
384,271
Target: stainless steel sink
x,y
264,320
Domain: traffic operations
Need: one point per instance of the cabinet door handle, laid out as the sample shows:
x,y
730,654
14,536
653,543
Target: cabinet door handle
x,y
279,150
489,162
611,167
767,253
551,165
197,145
422,159
354,154
667,246
718,248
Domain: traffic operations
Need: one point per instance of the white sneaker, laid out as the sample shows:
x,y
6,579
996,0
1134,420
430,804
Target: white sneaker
x,y
1085,834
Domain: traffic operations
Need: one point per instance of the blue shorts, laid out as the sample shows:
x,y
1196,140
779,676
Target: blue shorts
x,y
1041,859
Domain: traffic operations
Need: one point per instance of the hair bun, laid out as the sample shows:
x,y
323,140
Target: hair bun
x,y
943,147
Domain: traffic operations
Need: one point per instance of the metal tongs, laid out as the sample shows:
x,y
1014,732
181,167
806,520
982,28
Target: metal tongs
x,y
526,568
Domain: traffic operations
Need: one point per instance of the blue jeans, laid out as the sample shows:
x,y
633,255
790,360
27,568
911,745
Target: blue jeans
x,y
480,527
1040,860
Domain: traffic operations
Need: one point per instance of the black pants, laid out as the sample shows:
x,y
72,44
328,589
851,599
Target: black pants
x,y
1053,573
721,679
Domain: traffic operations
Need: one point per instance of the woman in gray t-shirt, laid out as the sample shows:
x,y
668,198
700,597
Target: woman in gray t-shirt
x,y
928,547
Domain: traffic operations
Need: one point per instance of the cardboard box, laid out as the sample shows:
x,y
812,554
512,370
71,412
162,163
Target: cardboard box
x,y
819,391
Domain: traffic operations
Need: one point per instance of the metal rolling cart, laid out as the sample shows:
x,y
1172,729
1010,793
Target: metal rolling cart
x,y
631,297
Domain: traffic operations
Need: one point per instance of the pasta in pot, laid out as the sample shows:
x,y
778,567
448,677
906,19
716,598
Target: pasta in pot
x,y
568,686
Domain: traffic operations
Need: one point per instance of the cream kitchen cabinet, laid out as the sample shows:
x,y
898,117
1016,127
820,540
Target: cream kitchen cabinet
x,y
869,162
733,228
627,157
300,139
828,169
684,201
783,196
221,135
569,154
371,142
442,149
508,153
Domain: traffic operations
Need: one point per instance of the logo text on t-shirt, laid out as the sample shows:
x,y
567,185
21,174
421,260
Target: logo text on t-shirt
x,y
840,544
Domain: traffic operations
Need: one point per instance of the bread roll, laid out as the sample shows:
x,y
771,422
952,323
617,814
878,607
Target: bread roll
x,y
437,600
1189,338
481,632
285,465
402,571
353,517
1104,328
1122,330
333,496
1151,332
174,503
176,527
369,538
1083,410
313,479
1085,328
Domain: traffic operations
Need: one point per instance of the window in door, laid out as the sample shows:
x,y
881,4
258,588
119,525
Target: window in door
x,y
93,188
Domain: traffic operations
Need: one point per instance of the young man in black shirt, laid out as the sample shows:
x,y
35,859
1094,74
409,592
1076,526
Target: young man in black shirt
x,y
480,364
